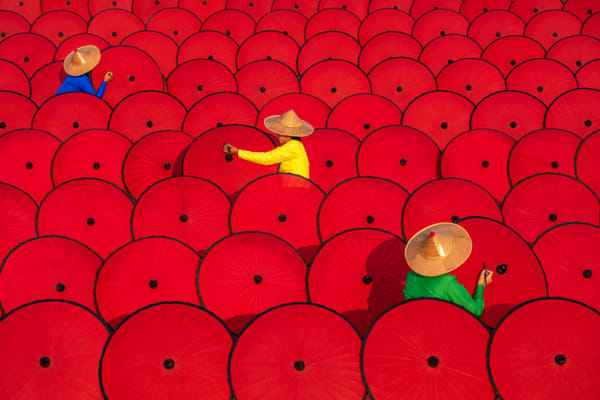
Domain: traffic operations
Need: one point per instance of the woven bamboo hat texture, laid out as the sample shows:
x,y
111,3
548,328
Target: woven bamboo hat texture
x,y
82,60
288,124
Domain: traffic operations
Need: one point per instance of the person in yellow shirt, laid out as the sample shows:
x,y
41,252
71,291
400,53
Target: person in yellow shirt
x,y
291,154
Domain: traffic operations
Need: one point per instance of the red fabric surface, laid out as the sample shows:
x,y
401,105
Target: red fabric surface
x,y
59,25
46,81
77,6
575,51
13,78
202,10
473,78
286,21
527,9
212,45
385,45
548,27
509,51
491,25
586,162
307,8
262,81
268,45
17,215
159,46
115,24
74,42
97,6
256,9
575,111
12,23
147,9
474,8
177,23
446,49
30,51
383,20
334,18
234,23
358,8
420,7
436,23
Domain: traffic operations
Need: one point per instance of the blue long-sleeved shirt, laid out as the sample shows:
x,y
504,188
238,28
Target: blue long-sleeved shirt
x,y
80,84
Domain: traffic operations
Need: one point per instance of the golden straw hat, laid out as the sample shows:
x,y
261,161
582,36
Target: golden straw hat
x,y
82,60
288,124
438,249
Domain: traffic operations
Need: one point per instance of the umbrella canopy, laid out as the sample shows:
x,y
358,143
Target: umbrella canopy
x,y
472,78
542,201
509,51
359,8
174,350
286,21
270,45
46,81
590,24
96,153
146,9
12,23
481,156
285,205
583,9
234,23
27,159
361,114
16,111
17,216
192,210
97,6
437,23
51,350
204,157
359,273
586,167
362,202
77,41
441,114
526,9
518,275
589,74
401,80
212,45
154,157
58,25
268,272
160,46
30,51
491,25
385,45
311,109
420,7
256,9
307,8
574,111
77,6
144,112
333,19
427,348
262,81
202,10
91,211
14,79
327,46
177,23
545,348
144,272
69,113
383,20
49,267
114,25
514,113
415,161
297,351
575,51
569,260
548,27
446,200
546,150
446,49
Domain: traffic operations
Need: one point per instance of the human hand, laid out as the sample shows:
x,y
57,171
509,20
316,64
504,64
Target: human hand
x,y
108,77
230,149
485,277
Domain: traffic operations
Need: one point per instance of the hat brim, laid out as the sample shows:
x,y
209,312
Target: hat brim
x,y
427,267
274,124
90,63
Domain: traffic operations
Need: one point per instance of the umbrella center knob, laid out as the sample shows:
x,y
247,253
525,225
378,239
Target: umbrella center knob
x,y
282,218
469,87
587,273
588,123
91,221
45,362
29,165
200,88
329,163
96,165
183,218
485,163
333,89
403,161
169,363
367,279
75,124
513,124
370,219
167,165
444,125
60,287
149,124
540,89
553,217
454,219
131,78
501,269
433,361
299,365
367,126
554,164
258,279
399,88
262,89
228,158
560,359
153,283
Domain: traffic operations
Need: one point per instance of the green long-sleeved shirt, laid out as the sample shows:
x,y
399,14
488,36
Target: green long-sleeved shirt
x,y
444,287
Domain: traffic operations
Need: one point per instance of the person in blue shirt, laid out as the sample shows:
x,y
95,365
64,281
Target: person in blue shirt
x,y
79,65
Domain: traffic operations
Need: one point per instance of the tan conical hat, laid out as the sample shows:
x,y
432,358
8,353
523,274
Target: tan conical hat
x,y
438,249
288,124
82,60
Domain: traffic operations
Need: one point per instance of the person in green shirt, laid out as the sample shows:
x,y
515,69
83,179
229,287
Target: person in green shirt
x,y
433,252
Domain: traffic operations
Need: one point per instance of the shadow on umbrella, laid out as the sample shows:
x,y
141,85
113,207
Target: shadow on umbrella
x,y
497,311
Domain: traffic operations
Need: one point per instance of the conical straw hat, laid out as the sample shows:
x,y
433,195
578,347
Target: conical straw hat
x,y
82,60
288,124
438,249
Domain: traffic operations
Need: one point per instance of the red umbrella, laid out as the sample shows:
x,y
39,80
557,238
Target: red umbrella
x,y
234,23
334,80
436,23
30,9
415,159
58,25
159,46
270,273
307,8
567,253
77,6
441,114
192,210
361,114
590,24
474,8
542,78
174,350
328,46
91,211
49,267
518,275
311,109
386,45
17,216
586,167
589,74
145,112
359,8
289,22
27,159
403,5
177,23
446,49
154,157
362,202
12,23
202,10
401,80
514,113
115,24
96,153
97,6
204,157
383,20
77,41
297,351
218,109
215,46
13,78
583,8
51,350
420,7
526,9
144,272
546,349
546,150
542,201
16,111
46,81
332,155
574,111
509,51
30,51
333,19
575,51
256,9
196,79
548,27
262,81
285,205
491,25
447,200
427,347
473,78
270,46
69,113
481,156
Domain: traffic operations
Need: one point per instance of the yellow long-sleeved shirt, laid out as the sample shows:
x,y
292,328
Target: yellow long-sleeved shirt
x,y
291,157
